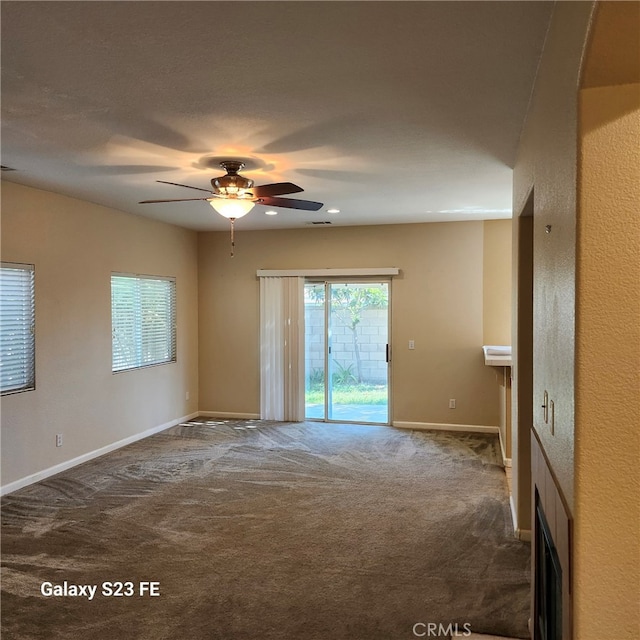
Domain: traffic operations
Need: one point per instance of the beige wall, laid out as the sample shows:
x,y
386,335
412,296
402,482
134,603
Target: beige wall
x,y
437,301
607,485
496,299
607,519
75,246
496,311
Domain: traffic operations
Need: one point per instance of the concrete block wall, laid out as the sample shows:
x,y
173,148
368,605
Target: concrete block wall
x,y
372,339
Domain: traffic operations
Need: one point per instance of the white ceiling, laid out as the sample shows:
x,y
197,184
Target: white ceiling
x,y
389,111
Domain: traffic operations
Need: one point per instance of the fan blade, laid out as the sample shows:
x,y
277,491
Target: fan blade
x,y
275,189
291,203
178,200
175,184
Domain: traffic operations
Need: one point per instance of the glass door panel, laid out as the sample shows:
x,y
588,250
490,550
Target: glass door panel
x,y
314,350
346,349
358,335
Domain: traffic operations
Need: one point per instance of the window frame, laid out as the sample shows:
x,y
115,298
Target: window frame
x,y
30,368
138,329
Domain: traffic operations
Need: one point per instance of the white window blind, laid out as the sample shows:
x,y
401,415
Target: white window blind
x,y
17,328
143,321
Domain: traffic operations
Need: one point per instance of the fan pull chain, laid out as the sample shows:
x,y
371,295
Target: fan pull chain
x,y
233,243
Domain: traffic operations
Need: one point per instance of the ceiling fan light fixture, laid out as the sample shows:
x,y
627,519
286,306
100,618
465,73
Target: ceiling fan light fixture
x,y
232,184
232,207
233,191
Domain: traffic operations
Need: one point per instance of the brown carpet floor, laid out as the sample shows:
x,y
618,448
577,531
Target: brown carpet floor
x,y
273,531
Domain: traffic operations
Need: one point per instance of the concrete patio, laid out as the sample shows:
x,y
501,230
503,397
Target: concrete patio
x,y
377,413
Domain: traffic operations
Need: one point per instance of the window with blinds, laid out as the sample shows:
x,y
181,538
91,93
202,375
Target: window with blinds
x,y
17,328
143,321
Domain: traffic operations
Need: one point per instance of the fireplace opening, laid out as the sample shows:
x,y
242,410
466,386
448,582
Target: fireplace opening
x,y
548,582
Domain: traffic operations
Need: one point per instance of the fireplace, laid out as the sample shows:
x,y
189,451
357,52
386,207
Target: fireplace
x,y
547,582
552,532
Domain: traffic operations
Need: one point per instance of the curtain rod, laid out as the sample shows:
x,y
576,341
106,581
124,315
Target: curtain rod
x,y
368,271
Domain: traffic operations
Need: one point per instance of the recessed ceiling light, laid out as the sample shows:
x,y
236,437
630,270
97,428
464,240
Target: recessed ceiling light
x,y
271,213
333,210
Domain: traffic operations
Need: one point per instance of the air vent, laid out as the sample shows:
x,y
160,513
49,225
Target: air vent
x,y
6,168
319,222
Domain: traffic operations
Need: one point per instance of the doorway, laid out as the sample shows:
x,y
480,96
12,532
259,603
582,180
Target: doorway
x,y
522,370
347,351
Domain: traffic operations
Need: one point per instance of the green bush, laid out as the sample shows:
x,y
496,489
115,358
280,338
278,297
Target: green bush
x,y
349,394
316,376
343,375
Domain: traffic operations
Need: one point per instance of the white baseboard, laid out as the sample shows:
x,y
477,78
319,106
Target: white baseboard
x,y
506,462
85,457
520,534
229,415
514,517
437,426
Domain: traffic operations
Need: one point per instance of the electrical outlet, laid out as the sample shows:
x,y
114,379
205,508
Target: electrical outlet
x,y
452,403
412,344
186,396
58,439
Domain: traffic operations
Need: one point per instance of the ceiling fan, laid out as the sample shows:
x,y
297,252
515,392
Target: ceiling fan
x,y
233,195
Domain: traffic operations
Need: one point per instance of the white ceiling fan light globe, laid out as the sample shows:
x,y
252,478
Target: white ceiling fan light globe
x,y
232,207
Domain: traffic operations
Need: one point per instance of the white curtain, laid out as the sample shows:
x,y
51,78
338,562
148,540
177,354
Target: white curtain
x,y
282,348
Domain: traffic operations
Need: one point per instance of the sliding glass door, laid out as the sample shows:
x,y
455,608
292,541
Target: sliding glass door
x,y
346,351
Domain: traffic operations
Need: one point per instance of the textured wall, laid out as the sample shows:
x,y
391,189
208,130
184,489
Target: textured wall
x,y
75,246
436,301
587,268
607,527
547,162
